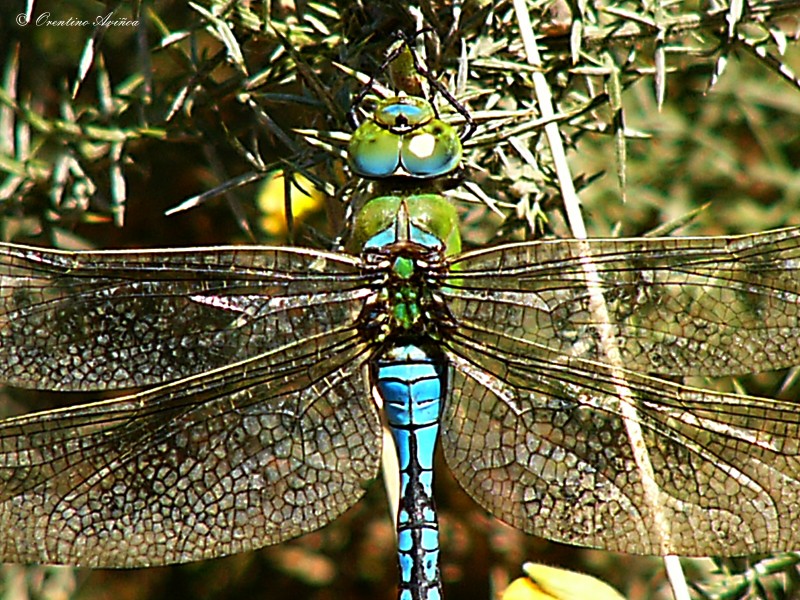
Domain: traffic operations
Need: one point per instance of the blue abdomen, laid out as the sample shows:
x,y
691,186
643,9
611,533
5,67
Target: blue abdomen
x,y
411,383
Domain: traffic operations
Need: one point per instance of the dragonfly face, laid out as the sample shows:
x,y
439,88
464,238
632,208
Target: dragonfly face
x,y
404,139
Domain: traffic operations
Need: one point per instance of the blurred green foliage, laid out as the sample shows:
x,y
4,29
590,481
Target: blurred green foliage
x,y
103,129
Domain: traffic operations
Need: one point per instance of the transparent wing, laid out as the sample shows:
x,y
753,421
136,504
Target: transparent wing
x,y
227,461
677,306
114,320
261,428
572,450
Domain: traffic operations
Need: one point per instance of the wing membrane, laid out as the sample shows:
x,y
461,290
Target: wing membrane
x,y
678,306
234,459
539,439
82,321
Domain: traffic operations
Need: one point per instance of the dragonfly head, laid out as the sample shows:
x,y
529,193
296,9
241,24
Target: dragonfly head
x,y
404,139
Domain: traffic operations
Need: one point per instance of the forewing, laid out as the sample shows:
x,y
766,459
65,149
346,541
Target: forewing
x,y
121,319
679,306
540,441
237,458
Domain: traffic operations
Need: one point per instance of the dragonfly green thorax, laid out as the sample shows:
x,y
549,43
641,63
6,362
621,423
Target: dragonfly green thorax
x,y
428,219
404,138
413,234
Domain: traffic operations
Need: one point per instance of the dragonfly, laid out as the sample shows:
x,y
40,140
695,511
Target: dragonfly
x,y
545,371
